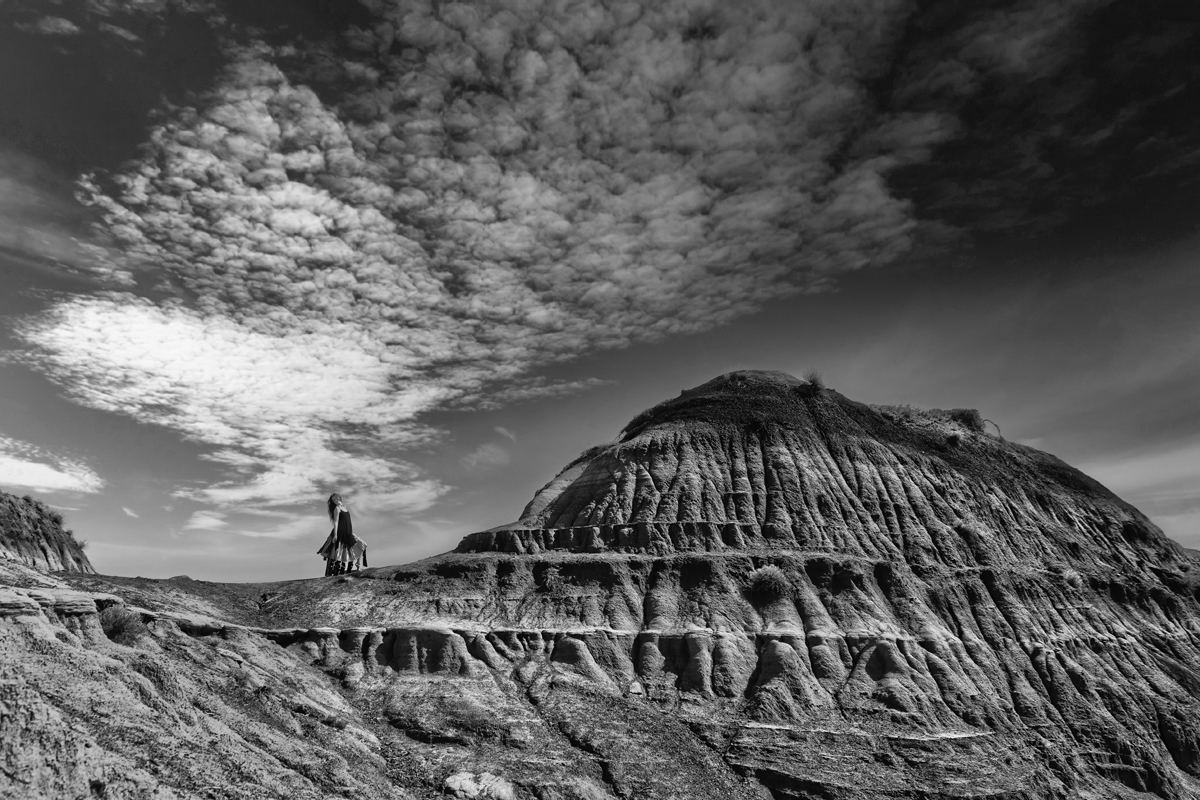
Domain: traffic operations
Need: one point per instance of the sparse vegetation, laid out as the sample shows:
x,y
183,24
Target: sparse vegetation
x,y
739,398
123,626
768,584
814,379
447,720
551,580
969,418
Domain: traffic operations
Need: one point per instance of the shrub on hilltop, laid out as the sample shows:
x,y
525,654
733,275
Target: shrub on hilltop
x,y
969,418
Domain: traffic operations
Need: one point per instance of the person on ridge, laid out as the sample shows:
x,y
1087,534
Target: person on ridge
x,y
343,551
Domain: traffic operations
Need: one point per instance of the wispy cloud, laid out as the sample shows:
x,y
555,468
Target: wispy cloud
x,y
206,521
506,433
26,466
40,221
53,26
1161,482
488,454
129,512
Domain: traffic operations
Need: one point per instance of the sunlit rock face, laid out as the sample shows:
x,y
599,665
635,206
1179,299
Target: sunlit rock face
x,y
32,533
760,590
759,461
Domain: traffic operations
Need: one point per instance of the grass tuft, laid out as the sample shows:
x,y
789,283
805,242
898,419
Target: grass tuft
x,y
123,626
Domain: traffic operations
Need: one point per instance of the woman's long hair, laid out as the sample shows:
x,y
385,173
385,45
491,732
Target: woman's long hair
x,y
335,500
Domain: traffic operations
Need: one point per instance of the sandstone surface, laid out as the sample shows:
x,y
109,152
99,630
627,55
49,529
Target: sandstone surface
x,y
761,590
32,533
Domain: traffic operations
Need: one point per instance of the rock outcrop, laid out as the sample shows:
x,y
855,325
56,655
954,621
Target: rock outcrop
x,y
762,590
32,533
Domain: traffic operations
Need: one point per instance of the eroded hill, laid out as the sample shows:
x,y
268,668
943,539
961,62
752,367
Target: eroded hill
x,y
32,533
763,589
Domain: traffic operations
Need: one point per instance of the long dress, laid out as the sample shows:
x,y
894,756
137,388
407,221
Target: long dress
x,y
343,551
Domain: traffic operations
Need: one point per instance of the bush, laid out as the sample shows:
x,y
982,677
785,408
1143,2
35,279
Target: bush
x,y
551,580
122,626
969,418
814,379
768,584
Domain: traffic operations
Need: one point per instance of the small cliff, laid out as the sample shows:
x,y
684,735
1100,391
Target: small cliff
x,y
32,533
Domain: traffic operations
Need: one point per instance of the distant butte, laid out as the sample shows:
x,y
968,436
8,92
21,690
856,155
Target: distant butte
x,y
761,589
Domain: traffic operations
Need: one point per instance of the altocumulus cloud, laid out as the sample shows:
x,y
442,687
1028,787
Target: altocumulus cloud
x,y
281,409
422,211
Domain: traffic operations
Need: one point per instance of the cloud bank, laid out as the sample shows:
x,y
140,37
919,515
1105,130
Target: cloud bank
x,y
491,188
422,210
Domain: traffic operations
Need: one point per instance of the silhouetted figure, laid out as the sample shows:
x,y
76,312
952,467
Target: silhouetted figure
x,y
343,551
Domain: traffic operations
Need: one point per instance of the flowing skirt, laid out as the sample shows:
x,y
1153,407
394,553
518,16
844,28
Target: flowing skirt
x,y
340,558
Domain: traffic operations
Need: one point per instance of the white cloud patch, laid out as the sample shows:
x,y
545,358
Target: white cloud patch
x,y
26,466
283,411
129,512
53,26
206,521
506,433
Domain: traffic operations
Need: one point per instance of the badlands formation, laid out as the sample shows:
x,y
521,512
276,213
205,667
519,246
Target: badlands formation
x,y
762,589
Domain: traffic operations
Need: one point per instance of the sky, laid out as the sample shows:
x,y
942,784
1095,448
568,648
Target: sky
x,y
425,254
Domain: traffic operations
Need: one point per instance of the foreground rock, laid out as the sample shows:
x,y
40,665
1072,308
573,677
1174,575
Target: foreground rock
x,y
763,590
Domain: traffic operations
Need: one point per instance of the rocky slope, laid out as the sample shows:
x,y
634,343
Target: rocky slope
x,y
762,589
32,533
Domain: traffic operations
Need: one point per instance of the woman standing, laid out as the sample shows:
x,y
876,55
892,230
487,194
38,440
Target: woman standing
x,y
342,551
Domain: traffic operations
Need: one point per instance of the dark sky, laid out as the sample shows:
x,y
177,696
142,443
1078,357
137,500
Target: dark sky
x,y
254,252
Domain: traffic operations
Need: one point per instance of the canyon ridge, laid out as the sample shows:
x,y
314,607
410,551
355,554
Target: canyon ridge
x,y
760,589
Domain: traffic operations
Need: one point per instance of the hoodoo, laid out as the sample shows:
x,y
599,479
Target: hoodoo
x,y
761,589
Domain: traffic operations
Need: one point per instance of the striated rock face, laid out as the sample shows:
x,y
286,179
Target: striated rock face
x,y
32,533
763,590
760,461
